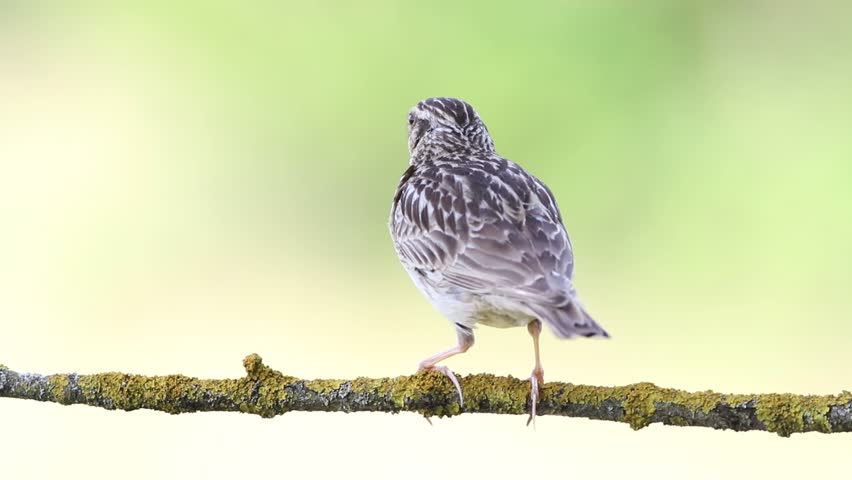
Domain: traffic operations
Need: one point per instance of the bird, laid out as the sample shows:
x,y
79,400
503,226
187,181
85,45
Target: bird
x,y
482,238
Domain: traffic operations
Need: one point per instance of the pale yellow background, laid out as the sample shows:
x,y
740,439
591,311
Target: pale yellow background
x,y
181,185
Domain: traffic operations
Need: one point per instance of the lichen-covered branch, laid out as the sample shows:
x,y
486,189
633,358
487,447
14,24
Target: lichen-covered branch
x,y
268,393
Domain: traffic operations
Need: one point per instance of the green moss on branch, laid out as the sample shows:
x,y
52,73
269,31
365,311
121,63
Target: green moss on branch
x,y
267,392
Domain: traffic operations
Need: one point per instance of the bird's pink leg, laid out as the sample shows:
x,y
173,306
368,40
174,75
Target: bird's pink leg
x,y
465,342
537,377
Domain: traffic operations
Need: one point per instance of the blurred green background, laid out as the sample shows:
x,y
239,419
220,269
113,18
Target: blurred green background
x,y
183,183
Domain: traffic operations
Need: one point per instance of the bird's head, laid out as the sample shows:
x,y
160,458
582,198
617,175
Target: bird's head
x,y
445,125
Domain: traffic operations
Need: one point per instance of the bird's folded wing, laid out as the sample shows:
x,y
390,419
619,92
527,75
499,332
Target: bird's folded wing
x,y
524,255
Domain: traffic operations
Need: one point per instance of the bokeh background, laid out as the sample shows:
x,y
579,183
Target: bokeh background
x,y
184,183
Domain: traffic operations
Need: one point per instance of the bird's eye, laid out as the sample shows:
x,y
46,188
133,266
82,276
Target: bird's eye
x,y
411,119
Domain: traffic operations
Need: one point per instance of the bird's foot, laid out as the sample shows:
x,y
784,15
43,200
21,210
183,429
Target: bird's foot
x,y
449,373
536,380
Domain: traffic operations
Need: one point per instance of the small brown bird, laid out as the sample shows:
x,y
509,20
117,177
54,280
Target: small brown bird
x,y
482,238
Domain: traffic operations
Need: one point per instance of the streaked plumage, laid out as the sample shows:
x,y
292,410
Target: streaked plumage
x,y
479,236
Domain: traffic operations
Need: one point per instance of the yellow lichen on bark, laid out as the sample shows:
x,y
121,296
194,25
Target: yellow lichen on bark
x,y
267,392
785,414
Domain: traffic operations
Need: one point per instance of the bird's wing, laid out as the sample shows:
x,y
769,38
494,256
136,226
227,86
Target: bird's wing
x,y
485,230
518,229
492,232
427,222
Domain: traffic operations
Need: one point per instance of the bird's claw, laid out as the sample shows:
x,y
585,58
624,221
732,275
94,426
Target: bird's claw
x,y
533,399
452,376
536,380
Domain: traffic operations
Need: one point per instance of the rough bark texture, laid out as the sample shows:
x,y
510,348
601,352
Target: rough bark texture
x,y
268,393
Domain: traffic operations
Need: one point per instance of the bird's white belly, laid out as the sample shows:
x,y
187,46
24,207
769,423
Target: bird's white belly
x,y
500,313
470,309
503,319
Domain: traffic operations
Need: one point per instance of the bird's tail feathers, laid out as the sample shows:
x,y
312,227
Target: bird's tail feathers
x,y
570,320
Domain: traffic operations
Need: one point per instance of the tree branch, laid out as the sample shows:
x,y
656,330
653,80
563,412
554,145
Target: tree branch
x,y
268,393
